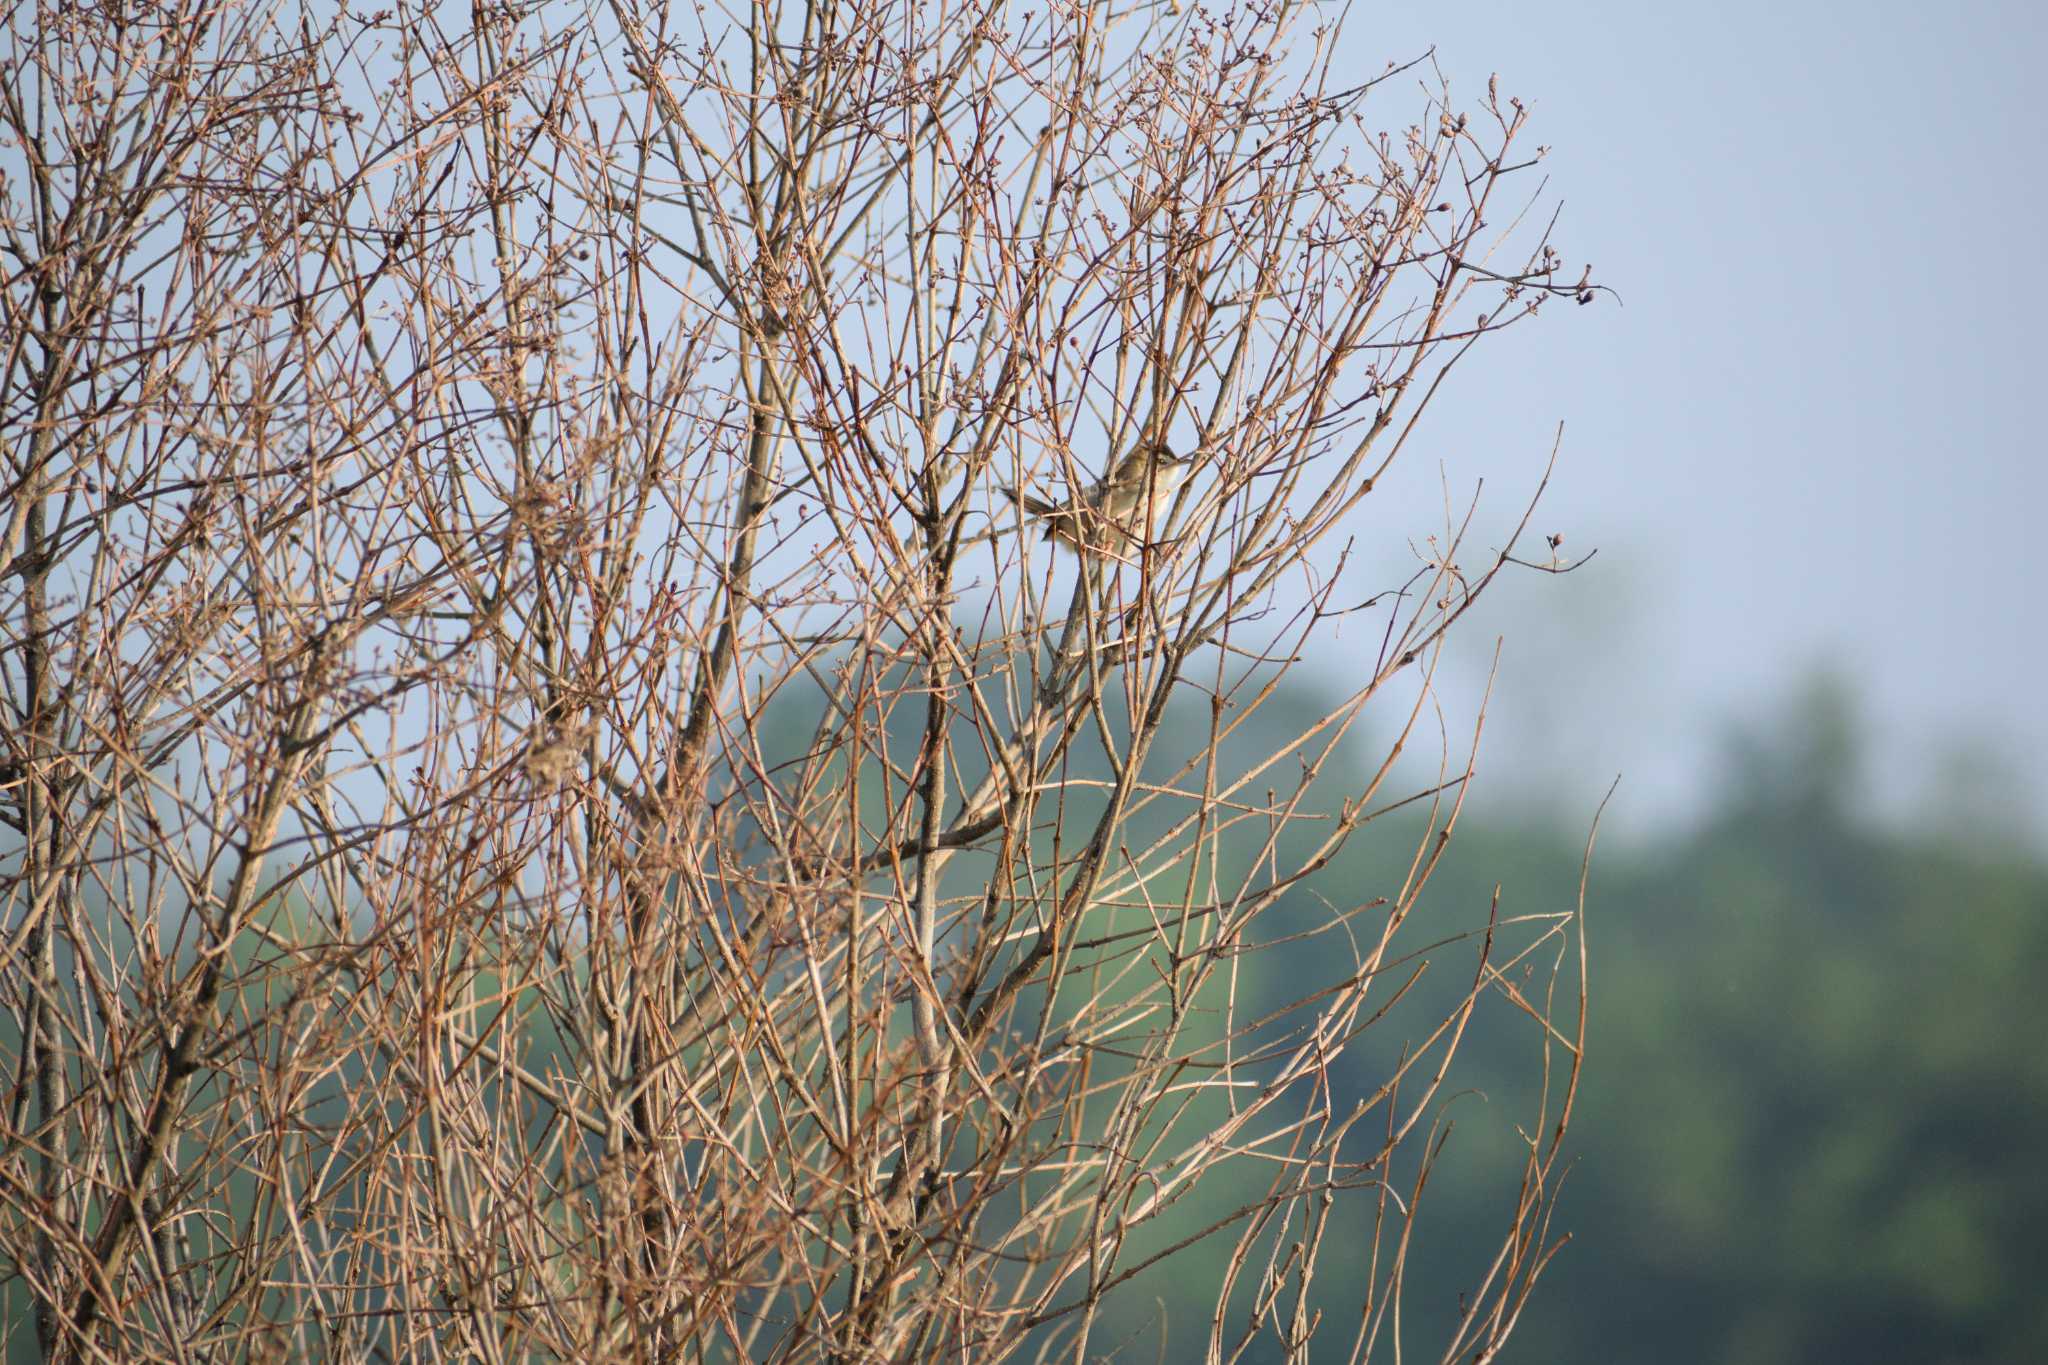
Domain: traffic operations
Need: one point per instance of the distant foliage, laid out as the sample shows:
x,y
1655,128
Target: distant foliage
x,y
1818,1094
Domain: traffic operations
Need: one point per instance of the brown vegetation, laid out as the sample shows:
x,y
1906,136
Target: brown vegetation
x,y
553,812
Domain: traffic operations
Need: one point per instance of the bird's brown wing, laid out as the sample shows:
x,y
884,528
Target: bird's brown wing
x,y
1062,522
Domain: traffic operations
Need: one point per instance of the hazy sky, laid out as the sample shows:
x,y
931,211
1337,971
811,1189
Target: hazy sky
x,y
1805,436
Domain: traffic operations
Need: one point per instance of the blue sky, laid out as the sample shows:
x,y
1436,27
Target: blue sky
x,y
1806,436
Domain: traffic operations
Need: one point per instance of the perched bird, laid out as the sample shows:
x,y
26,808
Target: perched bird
x,y
1119,514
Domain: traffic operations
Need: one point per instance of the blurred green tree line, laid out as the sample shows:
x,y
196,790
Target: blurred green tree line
x,y
1816,1096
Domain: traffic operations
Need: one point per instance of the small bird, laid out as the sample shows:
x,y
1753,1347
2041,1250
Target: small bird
x,y
1116,515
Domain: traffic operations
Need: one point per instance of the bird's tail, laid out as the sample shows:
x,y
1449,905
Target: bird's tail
x,y
1037,507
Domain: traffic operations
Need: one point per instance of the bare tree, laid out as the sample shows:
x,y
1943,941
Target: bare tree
x,y
558,811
